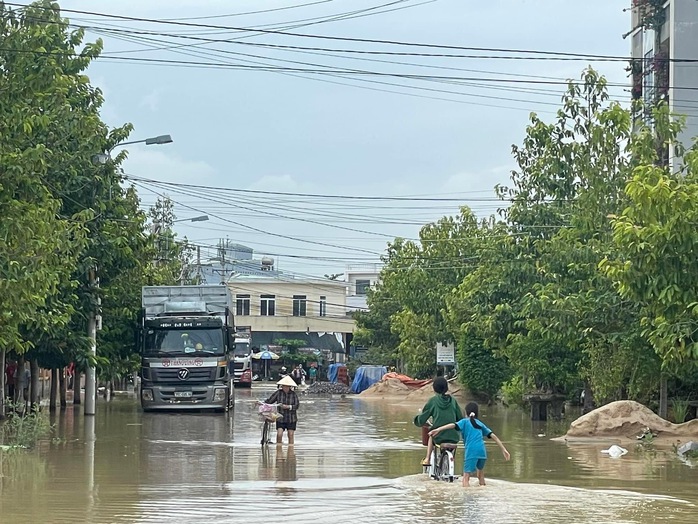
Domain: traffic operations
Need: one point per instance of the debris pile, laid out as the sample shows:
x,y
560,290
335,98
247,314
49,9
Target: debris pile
x,y
327,388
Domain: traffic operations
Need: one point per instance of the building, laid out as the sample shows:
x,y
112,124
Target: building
x,y
664,47
359,278
273,307
234,259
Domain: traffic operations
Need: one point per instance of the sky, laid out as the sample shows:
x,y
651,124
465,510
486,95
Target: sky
x,y
275,143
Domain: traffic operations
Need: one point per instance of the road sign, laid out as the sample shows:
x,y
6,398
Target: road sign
x,y
445,355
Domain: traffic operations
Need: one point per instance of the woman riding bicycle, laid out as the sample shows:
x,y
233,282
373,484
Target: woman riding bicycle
x,y
443,409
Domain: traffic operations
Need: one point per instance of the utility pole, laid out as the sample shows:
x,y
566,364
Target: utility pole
x,y
91,373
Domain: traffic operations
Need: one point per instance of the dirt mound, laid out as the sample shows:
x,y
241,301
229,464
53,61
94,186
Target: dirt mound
x,y
628,419
388,387
424,393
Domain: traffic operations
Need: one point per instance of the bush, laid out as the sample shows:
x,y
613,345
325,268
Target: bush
x,y
513,391
24,430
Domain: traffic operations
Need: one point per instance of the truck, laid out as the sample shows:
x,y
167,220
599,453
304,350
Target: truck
x,y
185,338
242,361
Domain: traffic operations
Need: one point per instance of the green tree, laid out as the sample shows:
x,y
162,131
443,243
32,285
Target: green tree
x,y
655,266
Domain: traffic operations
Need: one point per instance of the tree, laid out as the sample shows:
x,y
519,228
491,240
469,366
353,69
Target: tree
x,y
656,265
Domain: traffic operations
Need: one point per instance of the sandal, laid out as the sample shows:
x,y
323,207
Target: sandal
x,y
426,463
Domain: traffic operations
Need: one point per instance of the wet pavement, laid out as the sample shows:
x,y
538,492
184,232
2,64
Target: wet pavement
x,y
354,460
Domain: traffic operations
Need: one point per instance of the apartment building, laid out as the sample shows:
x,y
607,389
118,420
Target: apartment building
x,y
664,49
274,307
359,278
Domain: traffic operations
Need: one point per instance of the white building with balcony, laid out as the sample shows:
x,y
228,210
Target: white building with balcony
x,y
359,278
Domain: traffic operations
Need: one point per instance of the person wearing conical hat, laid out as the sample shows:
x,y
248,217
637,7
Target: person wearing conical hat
x,y
287,401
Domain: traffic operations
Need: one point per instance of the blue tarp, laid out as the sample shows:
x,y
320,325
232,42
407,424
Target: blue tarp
x,y
332,372
366,376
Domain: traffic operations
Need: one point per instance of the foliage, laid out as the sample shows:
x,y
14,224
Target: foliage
x,y
45,97
24,430
514,390
481,371
290,344
679,408
656,265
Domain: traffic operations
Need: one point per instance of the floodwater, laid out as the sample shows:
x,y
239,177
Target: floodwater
x,y
354,461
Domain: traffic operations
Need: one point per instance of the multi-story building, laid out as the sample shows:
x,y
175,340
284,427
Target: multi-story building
x,y
359,278
273,307
664,41
234,259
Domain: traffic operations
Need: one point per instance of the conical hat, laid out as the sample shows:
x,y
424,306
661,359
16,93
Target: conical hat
x,y
287,381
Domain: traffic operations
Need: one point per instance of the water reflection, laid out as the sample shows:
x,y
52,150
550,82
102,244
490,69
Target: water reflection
x,y
353,460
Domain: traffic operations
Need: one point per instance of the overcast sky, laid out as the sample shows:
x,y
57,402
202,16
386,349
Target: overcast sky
x,y
341,133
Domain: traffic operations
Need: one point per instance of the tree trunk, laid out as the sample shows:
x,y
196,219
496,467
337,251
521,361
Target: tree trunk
x,y
53,395
588,398
21,386
77,378
34,390
62,390
2,383
663,400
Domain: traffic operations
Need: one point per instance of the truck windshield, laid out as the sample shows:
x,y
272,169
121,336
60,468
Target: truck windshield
x,y
178,341
242,349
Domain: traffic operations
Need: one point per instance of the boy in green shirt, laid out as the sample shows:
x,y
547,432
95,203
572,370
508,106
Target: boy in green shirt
x,y
443,409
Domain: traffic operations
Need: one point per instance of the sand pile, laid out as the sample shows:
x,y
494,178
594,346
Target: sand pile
x,y
392,388
627,419
389,387
424,393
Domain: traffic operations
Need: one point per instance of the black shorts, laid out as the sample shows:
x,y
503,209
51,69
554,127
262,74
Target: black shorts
x,y
290,426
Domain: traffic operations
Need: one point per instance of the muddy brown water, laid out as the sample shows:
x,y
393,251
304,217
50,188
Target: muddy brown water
x,y
354,461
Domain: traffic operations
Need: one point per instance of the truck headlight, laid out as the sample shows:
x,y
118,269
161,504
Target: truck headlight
x,y
147,395
219,394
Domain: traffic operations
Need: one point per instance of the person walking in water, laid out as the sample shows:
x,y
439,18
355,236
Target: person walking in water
x,y
288,402
442,408
473,432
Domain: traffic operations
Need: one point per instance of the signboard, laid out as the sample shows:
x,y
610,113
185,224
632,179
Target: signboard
x,y
445,355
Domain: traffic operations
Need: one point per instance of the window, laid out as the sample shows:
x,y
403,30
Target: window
x,y
362,286
268,306
242,305
323,306
299,305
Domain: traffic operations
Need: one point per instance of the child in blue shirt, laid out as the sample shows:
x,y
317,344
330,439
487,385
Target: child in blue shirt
x,y
473,432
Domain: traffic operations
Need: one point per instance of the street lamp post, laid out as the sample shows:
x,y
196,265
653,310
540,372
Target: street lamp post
x,y
94,319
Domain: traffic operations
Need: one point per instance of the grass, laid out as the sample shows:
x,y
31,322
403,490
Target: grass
x,y
679,409
24,430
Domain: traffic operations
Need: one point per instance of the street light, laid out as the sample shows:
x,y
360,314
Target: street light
x,y
202,218
94,320
103,158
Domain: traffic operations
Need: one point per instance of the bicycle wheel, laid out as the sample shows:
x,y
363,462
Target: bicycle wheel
x,y
445,467
265,433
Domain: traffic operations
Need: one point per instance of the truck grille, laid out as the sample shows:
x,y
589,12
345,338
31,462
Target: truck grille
x,y
195,374
239,365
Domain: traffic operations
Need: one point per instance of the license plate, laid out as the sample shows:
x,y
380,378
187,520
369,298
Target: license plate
x,y
182,394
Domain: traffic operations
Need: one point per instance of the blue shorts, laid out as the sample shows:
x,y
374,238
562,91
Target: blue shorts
x,y
473,464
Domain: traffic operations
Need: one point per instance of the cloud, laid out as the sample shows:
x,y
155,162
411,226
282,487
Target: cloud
x,y
151,100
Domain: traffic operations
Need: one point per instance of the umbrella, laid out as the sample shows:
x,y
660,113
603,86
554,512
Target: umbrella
x,y
265,355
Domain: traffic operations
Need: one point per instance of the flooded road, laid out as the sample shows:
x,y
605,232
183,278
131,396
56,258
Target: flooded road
x,y
354,461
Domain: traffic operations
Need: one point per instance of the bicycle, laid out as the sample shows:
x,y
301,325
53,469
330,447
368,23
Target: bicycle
x,y
268,414
442,465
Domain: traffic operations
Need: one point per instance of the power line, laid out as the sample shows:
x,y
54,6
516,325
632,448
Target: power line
x,y
335,38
